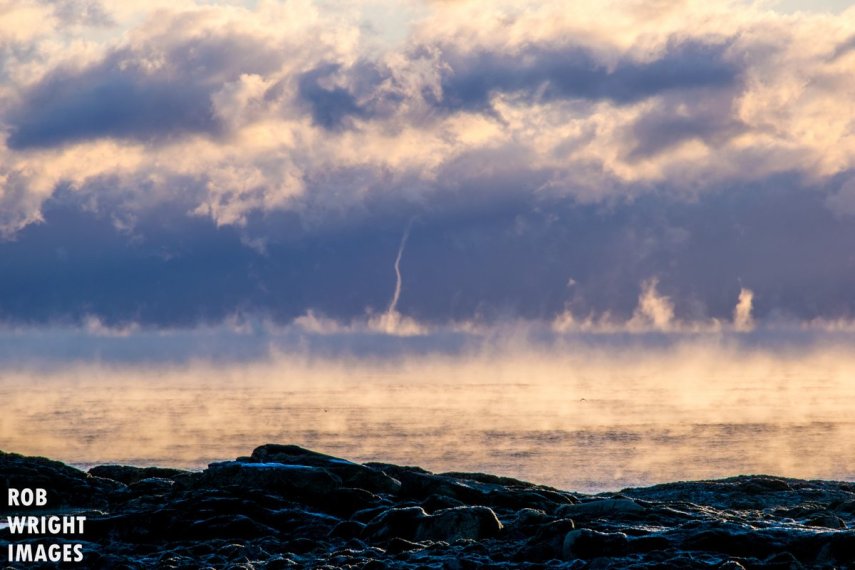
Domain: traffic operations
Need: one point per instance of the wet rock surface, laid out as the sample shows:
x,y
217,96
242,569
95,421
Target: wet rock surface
x,y
288,507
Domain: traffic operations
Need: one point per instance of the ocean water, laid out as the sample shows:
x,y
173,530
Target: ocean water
x,y
587,422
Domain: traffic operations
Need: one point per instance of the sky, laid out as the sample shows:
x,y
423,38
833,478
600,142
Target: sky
x,y
421,172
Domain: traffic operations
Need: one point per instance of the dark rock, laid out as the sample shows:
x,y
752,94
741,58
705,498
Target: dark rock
x,y
738,493
226,526
841,547
438,502
301,545
529,521
399,545
847,507
345,502
351,474
619,507
587,543
280,562
413,523
65,485
557,528
347,529
473,523
731,542
395,470
548,541
368,515
127,475
526,498
396,523
782,561
760,485
650,543
490,479
287,507
420,486
151,486
277,478
826,520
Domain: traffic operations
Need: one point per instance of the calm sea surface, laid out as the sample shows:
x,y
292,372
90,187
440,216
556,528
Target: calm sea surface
x,y
580,424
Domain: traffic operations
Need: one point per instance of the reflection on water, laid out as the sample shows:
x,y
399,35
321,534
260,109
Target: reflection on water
x,y
584,423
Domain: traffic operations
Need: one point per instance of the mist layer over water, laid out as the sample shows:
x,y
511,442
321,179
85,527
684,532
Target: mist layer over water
x,y
584,420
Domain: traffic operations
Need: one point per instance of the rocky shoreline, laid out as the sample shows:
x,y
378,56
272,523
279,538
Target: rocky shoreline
x,y
288,507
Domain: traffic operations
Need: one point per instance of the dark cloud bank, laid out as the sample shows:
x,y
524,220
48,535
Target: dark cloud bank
x,y
488,260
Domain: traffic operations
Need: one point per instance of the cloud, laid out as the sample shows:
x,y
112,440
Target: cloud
x,y
709,119
268,153
330,106
843,200
151,91
108,102
85,12
844,48
221,94
547,73
494,258
21,21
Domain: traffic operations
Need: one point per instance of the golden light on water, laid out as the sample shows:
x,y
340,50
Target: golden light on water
x,y
576,419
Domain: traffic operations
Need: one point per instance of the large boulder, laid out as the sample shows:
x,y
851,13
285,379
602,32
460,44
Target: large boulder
x,y
352,474
587,543
614,507
293,481
473,523
400,522
547,541
413,523
127,474
420,486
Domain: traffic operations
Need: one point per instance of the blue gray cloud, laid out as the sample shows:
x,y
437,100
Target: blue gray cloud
x,y
548,73
487,261
121,97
